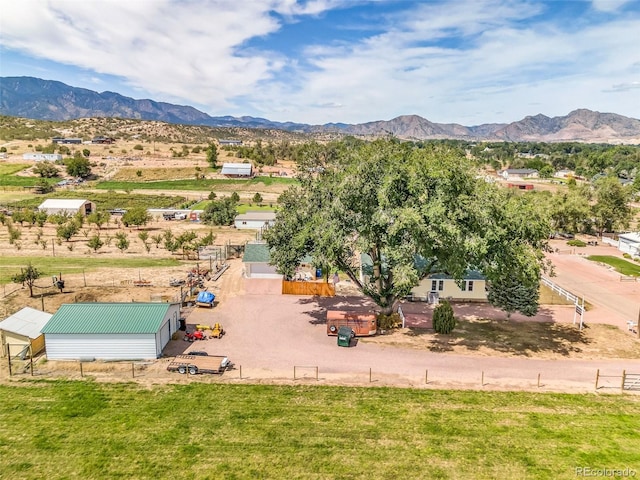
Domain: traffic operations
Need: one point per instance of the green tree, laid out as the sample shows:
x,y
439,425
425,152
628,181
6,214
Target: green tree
x,y
45,170
212,155
98,218
122,241
257,198
611,210
28,277
42,186
511,295
219,212
136,216
413,210
67,230
235,197
78,167
86,152
444,320
95,243
41,218
212,196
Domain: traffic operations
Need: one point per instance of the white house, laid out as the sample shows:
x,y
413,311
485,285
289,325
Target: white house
x,y
255,220
70,206
21,330
110,331
564,174
472,289
256,260
511,173
41,157
629,243
237,169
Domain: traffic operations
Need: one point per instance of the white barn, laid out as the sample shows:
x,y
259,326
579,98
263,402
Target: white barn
x,y
255,220
111,331
629,243
237,169
23,329
256,261
70,206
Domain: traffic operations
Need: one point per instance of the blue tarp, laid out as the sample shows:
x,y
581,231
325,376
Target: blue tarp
x,y
205,297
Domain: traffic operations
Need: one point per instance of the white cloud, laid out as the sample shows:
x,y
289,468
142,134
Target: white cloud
x,y
609,5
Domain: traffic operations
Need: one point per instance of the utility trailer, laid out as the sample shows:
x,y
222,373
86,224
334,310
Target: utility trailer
x,y
205,299
195,364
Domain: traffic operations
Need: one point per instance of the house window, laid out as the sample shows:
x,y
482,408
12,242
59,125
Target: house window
x,y
434,283
467,286
440,285
437,285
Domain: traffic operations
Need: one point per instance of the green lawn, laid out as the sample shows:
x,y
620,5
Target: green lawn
x,y
107,200
11,168
81,430
192,184
9,266
622,266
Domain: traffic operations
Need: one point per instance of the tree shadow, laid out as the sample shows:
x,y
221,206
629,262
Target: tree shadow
x,y
323,304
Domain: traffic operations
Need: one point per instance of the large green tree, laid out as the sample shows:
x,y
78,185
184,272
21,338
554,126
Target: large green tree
x,y
212,155
78,166
28,276
219,212
136,216
413,210
612,210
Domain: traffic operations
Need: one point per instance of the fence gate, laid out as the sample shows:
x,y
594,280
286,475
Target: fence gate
x,y
631,381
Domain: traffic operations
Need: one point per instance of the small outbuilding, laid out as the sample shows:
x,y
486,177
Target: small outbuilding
x,y
22,330
69,206
237,170
256,260
111,331
255,220
511,173
42,157
629,243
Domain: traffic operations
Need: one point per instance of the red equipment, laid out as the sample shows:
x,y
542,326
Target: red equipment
x,y
192,337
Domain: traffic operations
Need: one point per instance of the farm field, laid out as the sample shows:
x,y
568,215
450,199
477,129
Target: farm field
x,y
85,429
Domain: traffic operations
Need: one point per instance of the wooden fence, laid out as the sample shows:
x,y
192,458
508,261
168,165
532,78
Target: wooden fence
x,y
322,289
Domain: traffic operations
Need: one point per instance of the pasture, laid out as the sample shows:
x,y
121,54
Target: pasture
x,y
83,429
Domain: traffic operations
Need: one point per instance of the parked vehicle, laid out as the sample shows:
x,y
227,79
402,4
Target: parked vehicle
x,y
205,299
217,331
195,364
198,353
193,336
363,324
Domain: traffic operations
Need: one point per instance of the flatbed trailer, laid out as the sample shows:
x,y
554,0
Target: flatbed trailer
x,y
195,364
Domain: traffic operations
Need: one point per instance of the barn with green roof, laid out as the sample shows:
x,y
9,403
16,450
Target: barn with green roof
x,y
110,331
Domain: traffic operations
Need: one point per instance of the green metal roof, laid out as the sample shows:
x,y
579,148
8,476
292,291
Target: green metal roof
x,y
84,318
256,253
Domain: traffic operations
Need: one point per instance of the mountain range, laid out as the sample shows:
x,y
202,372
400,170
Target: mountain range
x,y
40,99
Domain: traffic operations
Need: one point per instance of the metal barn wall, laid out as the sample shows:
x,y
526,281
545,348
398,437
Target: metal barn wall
x,y
101,346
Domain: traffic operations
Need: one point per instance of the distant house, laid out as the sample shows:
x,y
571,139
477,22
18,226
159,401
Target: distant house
x,y
61,140
237,170
69,206
100,140
110,331
22,330
256,260
521,186
230,142
42,157
511,173
255,220
564,174
629,243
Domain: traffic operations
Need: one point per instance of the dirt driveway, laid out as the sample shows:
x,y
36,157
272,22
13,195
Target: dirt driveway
x,y
269,335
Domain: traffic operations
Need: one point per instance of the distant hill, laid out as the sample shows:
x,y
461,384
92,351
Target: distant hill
x,y
39,99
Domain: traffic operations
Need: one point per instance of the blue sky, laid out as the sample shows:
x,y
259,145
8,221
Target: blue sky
x,y
352,61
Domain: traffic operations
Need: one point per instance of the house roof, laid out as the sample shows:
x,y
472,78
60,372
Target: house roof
x,y
630,237
468,275
107,318
420,264
256,253
520,170
65,203
259,216
27,322
236,169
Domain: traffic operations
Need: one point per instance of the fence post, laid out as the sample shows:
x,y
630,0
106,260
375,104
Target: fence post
x,y
240,372
133,371
294,372
426,377
81,372
538,380
482,379
316,374
597,377
369,374
624,375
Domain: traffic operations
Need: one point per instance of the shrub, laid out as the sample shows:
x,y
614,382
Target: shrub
x,y
138,147
387,322
444,320
626,255
576,243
